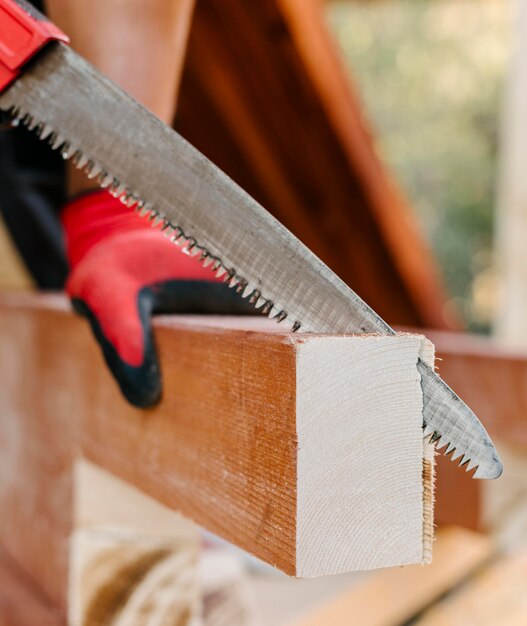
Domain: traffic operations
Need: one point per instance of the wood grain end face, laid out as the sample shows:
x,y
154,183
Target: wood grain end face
x,y
364,475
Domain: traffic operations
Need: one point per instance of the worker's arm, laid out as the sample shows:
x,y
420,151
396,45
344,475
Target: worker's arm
x,y
139,44
121,270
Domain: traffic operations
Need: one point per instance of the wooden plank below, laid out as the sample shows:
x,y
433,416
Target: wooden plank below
x,y
497,595
21,603
393,597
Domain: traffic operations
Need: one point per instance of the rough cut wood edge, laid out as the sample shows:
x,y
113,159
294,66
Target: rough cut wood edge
x,y
243,488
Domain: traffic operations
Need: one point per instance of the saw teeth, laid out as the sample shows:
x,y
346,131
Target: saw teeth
x,y
210,260
88,168
27,120
241,286
435,437
449,449
132,200
247,291
457,454
464,461
233,282
254,297
280,317
44,132
117,188
192,247
104,179
427,430
32,123
55,141
176,234
80,160
472,465
144,209
267,307
66,151
229,275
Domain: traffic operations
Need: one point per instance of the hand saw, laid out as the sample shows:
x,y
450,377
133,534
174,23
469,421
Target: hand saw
x,y
50,89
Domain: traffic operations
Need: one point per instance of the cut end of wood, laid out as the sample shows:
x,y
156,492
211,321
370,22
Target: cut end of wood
x,y
365,476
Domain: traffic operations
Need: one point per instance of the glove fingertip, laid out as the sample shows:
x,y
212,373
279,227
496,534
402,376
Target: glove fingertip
x,y
140,385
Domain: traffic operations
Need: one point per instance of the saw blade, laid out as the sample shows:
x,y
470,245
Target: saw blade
x,y
150,167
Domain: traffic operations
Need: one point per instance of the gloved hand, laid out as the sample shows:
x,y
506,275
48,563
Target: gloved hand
x,y
121,272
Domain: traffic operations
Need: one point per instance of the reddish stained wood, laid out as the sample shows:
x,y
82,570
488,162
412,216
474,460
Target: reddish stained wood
x,y
203,440
390,210
492,379
458,496
21,603
266,98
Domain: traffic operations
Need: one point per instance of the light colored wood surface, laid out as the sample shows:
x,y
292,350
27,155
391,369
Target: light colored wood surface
x,y
129,579
132,561
360,502
392,597
222,445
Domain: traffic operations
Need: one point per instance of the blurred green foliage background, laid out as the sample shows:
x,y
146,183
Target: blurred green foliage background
x,y
430,74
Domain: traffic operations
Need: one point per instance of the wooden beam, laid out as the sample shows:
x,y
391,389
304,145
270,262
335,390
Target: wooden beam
x,y
305,450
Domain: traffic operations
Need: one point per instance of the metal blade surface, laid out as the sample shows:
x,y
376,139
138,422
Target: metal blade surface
x,y
149,166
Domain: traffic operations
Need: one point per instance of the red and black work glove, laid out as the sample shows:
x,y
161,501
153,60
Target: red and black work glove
x,y
121,272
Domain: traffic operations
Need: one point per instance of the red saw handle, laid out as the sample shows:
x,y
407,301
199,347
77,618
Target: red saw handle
x,y
23,32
